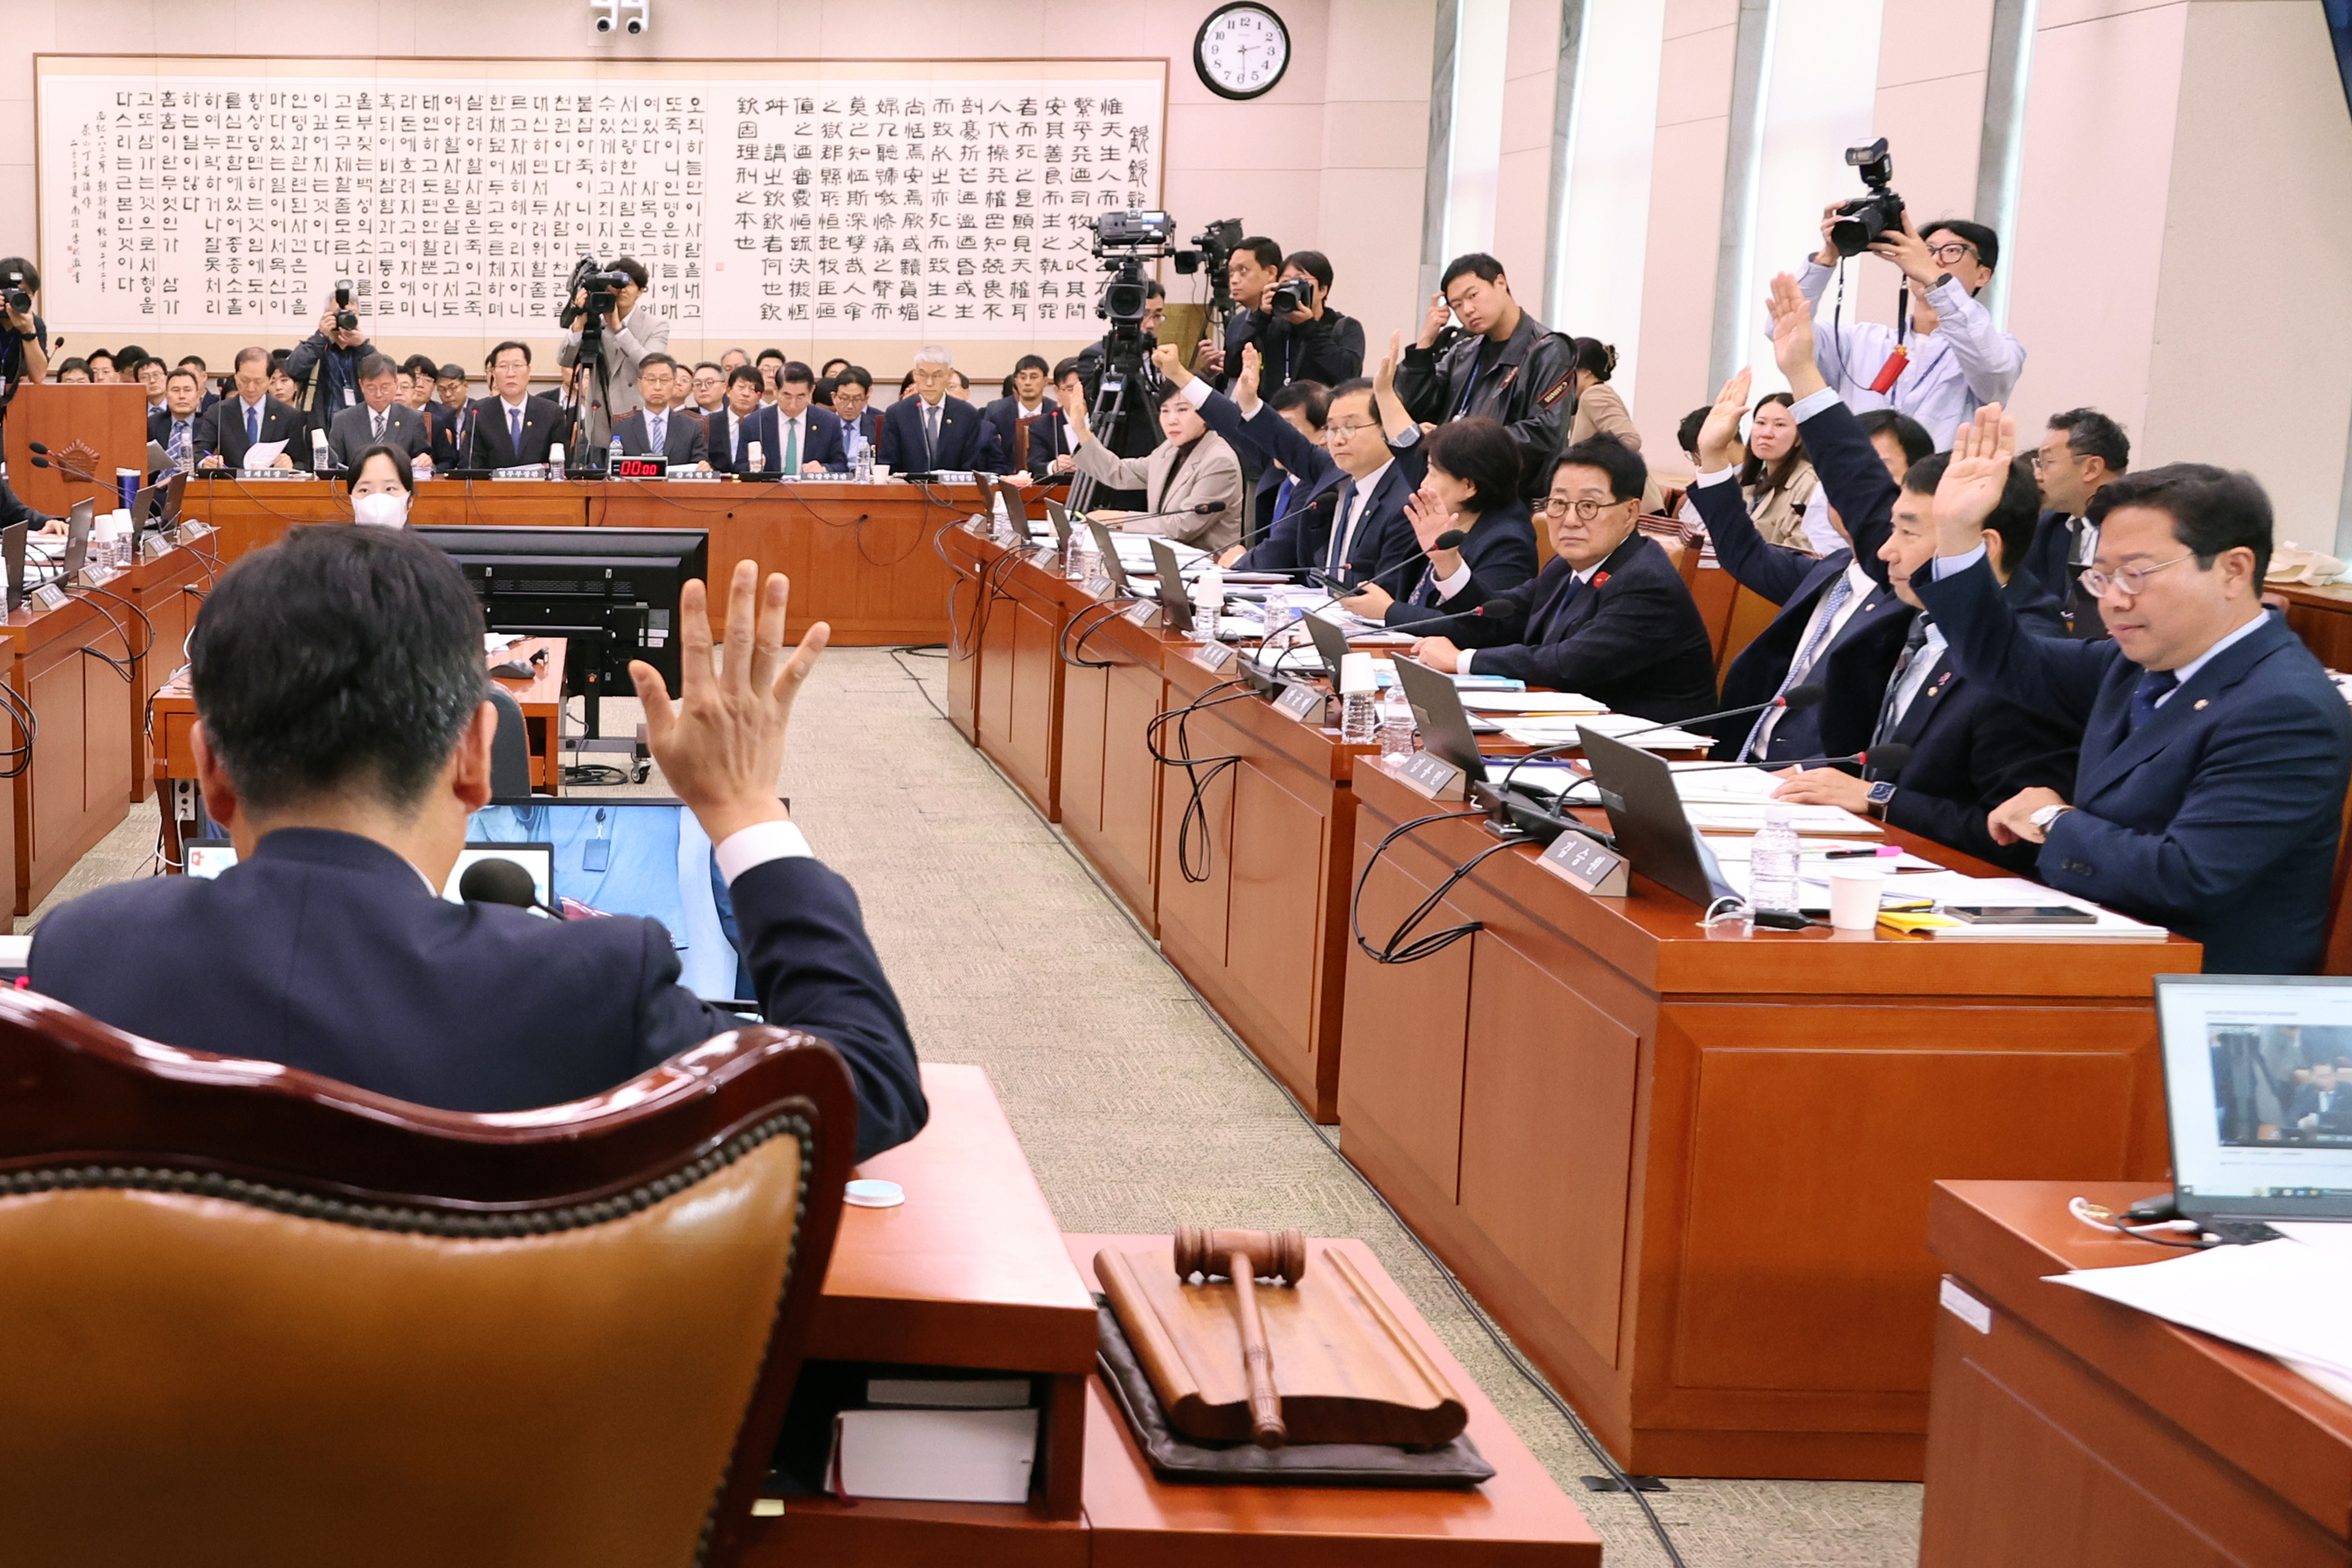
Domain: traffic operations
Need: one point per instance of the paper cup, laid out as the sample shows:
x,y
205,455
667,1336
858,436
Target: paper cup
x,y
1854,896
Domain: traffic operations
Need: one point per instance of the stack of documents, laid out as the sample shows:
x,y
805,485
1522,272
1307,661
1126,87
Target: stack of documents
x,y
1948,887
1560,728
2287,1299
981,1448
1722,798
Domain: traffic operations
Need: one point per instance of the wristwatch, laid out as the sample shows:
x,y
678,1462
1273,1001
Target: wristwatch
x,y
1875,803
2048,814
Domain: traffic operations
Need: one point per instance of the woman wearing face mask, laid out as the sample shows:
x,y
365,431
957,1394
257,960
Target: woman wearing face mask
x,y
1471,485
1192,466
381,484
1778,479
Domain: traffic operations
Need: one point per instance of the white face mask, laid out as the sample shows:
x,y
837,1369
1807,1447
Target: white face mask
x,y
379,509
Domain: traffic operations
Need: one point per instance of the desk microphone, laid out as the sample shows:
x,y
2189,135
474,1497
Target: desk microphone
x,y
1795,699
495,880
1451,539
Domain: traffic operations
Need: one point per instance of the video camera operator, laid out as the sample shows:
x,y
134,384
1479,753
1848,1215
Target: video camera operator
x,y
1944,359
1304,339
1137,430
627,333
1252,273
24,357
335,353
1505,366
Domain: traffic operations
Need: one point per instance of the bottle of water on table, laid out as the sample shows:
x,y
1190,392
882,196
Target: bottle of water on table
x,y
1772,862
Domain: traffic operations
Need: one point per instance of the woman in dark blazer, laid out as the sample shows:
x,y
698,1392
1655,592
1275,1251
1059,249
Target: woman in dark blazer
x,y
1468,479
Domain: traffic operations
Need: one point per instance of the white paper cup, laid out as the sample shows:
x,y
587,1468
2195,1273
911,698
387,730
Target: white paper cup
x,y
881,472
1854,896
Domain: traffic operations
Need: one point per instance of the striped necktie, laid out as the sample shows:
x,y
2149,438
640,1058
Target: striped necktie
x,y
1834,600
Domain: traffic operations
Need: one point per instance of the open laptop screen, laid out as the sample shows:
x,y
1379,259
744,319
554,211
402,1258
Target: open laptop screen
x,y
2258,1084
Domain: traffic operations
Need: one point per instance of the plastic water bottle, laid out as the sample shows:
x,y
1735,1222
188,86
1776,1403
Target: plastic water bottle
x,y
1209,595
1772,862
613,460
1081,561
1397,731
865,462
1359,700
555,462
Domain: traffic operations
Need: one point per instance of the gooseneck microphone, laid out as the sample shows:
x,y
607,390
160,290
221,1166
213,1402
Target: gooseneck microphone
x,y
1795,699
1451,539
495,880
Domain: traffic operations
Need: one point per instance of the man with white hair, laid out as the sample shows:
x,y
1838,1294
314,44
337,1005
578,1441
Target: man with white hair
x,y
932,433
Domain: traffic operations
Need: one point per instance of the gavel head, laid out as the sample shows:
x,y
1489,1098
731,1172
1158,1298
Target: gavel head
x,y
1273,1254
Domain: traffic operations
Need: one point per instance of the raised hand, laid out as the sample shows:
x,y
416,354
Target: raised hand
x,y
1209,358
1719,446
1429,517
722,747
1983,452
1164,360
1793,336
1384,378
1246,384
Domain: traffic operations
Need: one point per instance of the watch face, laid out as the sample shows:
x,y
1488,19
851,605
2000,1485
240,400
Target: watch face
x,y
1241,50
1882,791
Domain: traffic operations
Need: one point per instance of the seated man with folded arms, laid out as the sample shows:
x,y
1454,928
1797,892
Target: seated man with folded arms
x,y
1297,507
1609,616
2215,749
346,778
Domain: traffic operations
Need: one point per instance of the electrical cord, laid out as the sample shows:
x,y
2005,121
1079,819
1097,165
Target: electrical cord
x,y
1116,604
899,656
2098,1217
1195,815
1436,942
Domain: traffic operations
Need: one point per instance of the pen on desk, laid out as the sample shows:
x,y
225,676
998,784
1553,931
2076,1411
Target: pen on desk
x,y
1882,850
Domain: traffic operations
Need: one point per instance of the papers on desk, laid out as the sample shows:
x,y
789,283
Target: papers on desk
x,y
933,1456
1545,730
1947,887
1731,800
1135,553
263,453
2287,1299
1526,702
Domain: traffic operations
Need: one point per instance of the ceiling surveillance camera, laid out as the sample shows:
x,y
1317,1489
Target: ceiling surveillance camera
x,y
637,16
606,14
636,24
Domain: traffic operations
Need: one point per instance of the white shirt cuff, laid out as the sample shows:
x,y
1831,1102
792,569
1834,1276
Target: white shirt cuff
x,y
1447,587
1461,665
758,844
1811,403
1953,565
1197,392
1719,476
1411,435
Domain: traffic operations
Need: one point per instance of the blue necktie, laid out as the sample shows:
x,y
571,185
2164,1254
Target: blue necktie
x,y
1282,499
1337,563
1839,592
2152,685
1550,631
252,425
658,435
514,432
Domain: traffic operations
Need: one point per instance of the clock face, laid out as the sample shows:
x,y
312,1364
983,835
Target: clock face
x,y
1241,50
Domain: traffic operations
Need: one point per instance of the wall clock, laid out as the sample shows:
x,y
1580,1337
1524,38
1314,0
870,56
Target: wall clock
x,y
1241,50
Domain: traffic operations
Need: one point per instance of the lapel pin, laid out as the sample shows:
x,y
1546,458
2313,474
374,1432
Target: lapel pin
x,y
2201,705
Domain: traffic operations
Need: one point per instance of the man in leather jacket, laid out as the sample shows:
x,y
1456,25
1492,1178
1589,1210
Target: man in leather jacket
x,y
1505,366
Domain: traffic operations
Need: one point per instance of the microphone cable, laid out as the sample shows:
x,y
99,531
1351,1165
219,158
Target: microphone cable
x,y
1396,949
1196,810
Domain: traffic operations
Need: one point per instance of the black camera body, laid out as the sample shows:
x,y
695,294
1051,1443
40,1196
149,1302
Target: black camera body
x,y
600,282
346,319
1861,221
1214,248
1291,294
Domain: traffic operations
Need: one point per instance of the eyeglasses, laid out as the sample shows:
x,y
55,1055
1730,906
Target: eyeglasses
x,y
1336,428
1950,251
2132,580
1585,510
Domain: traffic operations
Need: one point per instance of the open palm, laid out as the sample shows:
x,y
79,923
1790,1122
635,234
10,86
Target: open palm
x,y
1983,452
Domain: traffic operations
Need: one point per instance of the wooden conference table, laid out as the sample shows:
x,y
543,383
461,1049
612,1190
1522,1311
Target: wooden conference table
x,y
1690,1174
860,557
2068,1429
970,1272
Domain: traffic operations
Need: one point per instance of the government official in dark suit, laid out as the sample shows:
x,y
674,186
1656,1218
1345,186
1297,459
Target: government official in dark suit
x,y
2081,453
658,430
808,437
2323,1105
347,777
1465,478
511,427
379,421
174,429
742,424
2215,749
1970,750
932,433
1029,428
1610,617
250,418
1297,509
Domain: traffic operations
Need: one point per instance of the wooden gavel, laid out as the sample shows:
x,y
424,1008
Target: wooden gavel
x,y
1242,1256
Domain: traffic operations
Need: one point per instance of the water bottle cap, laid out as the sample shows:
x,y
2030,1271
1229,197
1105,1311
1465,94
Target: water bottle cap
x,y
1779,814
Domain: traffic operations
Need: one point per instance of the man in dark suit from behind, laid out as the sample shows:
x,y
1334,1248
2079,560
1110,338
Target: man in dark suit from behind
x,y
250,418
1608,615
346,778
379,420
2081,453
933,431
658,430
2215,749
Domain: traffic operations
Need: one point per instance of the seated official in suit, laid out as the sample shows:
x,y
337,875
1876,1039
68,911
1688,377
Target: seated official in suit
x,y
808,438
252,417
511,428
2081,453
1468,474
1840,626
861,423
1609,616
931,431
379,420
2215,749
658,429
174,429
1031,434
1190,469
347,777
1295,510
2323,1105
743,433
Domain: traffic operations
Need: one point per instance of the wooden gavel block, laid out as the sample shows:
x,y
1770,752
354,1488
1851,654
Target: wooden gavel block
x,y
1242,1256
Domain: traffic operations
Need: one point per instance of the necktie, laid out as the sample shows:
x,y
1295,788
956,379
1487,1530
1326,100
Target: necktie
x,y
179,451
1341,523
931,437
1549,632
1282,497
514,432
658,435
1834,600
1886,712
252,424
2152,685
792,446
737,425
375,421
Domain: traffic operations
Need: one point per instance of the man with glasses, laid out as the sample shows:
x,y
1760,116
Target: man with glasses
x,y
1948,358
2216,750
1367,538
2081,450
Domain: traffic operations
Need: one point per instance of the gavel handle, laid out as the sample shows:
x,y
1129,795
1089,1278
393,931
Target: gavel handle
x,y
1257,1358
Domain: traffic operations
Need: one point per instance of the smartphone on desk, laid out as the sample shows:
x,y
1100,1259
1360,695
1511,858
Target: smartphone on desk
x,y
2020,913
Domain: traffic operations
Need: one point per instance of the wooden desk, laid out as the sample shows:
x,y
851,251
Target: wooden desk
x,y
860,556
167,590
1005,672
2322,617
98,429
542,701
1110,791
1692,1175
2078,1431
1137,1520
77,784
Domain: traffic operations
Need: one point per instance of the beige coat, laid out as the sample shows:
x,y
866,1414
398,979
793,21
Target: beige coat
x,y
1779,515
1601,412
1211,474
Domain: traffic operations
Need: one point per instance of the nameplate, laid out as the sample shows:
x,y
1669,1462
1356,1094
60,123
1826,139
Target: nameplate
x,y
1302,701
1212,656
980,526
1432,777
689,471
1138,614
1586,866
524,471
250,474
1096,587
154,546
192,528
49,596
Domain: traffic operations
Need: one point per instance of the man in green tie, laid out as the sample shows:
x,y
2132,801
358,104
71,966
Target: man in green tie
x,y
810,436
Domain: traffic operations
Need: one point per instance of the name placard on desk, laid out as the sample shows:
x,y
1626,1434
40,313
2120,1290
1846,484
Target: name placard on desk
x,y
1302,701
1585,865
49,596
1138,614
1212,656
1426,774
1097,587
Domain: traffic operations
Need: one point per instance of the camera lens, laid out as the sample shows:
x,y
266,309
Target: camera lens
x,y
347,321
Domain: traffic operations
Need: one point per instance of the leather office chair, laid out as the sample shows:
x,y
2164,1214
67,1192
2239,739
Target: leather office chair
x,y
256,1318
509,748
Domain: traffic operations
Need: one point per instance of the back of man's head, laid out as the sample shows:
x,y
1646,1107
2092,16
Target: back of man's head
x,y
1907,433
2013,518
338,660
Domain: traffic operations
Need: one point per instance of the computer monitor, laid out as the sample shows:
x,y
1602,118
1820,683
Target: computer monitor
x,y
1059,515
612,593
76,552
1646,817
2258,1091
1332,644
1015,507
1437,709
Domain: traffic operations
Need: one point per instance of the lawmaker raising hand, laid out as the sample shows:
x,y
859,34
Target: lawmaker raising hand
x,y
1246,384
721,747
1719,446
1983,452
1164,360
1384,379
1793,336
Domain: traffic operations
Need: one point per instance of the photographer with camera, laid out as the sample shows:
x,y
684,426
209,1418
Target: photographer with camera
x,y
1506,366
1944,358
1304,339
24,357
607,306
334,352
1137,430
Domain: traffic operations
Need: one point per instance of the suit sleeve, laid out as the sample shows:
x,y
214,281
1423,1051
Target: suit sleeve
x,y
1503,624
1421,382
1279,441
804,942
2009,750
886,449
1330,350
1630,631
1854,479
1773,570
699,444
1094,460
2048,674
987,458
338,449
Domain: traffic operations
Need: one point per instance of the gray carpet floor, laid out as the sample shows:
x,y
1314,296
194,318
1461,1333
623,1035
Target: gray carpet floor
x,y
1138,1110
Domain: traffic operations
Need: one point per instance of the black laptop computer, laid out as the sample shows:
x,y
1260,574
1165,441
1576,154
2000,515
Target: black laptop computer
x,y
1437,709
1175,603
1646,816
